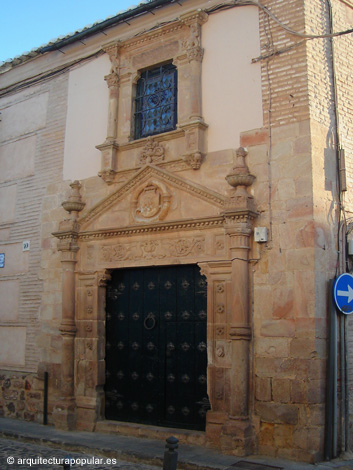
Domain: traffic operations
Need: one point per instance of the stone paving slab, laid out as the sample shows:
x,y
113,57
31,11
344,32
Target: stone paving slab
x,y
18,455
146,451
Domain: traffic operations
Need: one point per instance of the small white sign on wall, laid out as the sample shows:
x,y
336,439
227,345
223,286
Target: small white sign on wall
x,y
2,260
26,245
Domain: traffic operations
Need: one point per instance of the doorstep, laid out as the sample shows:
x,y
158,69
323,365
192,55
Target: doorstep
x,y
185,436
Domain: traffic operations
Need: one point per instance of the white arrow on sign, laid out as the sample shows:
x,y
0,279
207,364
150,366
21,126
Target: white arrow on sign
x,y
346,293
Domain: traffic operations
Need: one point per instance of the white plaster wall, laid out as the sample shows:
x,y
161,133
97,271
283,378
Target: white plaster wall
x,y
13,345
231,84
86,123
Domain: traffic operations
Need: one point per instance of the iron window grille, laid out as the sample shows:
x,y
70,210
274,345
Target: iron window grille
x,y
156,101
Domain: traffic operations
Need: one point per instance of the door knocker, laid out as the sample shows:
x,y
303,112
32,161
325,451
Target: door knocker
x,y
150,321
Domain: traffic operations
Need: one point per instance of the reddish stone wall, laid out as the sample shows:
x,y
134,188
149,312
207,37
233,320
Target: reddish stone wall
x,y
21,396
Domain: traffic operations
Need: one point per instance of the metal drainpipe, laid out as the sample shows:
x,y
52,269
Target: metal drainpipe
x,y
342,251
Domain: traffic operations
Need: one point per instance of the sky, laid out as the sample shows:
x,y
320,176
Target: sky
x,y
29,24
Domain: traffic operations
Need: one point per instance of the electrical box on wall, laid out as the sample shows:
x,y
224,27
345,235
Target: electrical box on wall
x,y
260,234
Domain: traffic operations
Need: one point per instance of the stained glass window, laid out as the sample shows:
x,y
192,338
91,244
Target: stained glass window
x,y
156,101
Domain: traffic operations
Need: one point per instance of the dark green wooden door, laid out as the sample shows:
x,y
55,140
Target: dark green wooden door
x,y
156,353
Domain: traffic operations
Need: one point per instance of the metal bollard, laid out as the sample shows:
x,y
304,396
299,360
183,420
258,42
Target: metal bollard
x,y
170,455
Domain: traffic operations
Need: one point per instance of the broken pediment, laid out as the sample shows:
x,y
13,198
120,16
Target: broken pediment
x,y
153,195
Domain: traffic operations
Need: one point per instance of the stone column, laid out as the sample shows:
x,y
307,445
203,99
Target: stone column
x,y
64,409
189,84
238,217
109,147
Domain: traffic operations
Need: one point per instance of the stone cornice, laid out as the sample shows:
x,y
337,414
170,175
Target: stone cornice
x,y
161,227
140,143
152,36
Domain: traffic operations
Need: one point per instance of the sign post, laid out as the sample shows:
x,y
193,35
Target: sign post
x,y
343,293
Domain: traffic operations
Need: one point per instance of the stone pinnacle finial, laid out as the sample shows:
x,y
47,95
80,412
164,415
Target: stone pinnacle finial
x,y
74,202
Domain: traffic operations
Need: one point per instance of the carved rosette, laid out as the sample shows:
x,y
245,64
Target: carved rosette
x,y
153,152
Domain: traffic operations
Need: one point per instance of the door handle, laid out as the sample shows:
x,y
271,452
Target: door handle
x,y
150,321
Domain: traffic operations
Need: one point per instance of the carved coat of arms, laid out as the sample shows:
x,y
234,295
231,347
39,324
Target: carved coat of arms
x,y
149,202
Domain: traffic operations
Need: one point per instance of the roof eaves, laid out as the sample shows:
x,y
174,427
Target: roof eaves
x,y
62,41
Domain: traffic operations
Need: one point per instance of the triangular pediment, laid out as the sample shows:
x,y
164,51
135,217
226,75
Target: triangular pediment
x,y
153,196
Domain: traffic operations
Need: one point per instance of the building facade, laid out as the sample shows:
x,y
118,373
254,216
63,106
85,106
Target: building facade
x,y
173,206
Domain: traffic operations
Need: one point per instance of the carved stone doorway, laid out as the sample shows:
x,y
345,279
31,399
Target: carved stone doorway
x,y
156,346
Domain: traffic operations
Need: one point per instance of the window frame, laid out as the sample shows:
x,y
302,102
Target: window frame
x,y
151,76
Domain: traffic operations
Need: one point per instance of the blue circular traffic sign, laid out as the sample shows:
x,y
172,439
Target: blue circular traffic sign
x,y
343,293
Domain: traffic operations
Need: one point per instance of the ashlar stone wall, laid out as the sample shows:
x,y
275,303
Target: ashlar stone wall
x,y
31,149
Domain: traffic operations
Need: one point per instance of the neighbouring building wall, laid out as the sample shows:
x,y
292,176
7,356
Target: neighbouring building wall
x,y
289,320
326,54
31,155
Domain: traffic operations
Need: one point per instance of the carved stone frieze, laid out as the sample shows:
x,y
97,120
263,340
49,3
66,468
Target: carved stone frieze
x,y
153,249
153,152
175,165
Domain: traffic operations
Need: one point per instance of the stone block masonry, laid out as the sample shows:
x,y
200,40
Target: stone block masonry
x,y
21,397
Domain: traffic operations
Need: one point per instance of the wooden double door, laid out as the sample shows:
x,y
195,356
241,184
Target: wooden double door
x,y
156,347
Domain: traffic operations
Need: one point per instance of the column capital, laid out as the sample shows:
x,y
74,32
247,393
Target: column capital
x,y
238,225
192,45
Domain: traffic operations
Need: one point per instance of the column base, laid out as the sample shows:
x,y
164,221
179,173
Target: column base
x,y
88,412
64,414
233,435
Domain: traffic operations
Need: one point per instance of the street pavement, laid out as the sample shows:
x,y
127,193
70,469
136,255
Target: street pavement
x,y
21,440
15,454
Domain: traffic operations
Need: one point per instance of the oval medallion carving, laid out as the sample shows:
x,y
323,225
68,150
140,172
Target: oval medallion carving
x,y
151,202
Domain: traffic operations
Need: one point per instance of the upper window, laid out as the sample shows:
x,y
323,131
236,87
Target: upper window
x,y
156,101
